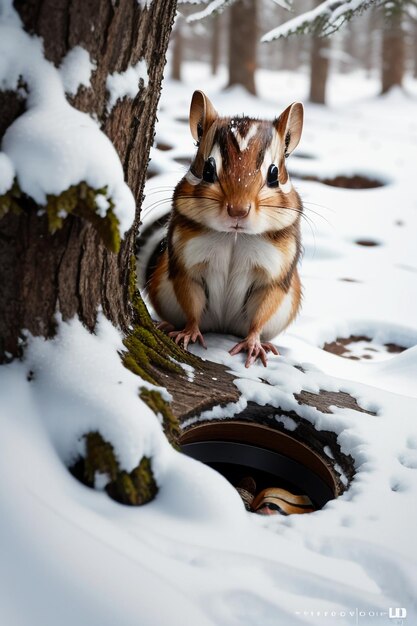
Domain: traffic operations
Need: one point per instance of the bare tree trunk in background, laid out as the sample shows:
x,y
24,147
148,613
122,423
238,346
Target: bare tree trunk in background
x,y
319,69
393,50
177,50
215,44
243,38
71,271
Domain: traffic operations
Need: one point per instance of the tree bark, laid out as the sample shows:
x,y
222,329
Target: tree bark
x,y
243,36
71,271
393,50
319,69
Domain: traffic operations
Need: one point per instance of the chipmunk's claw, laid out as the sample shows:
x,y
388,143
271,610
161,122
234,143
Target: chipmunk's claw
x,y
191,333
255,349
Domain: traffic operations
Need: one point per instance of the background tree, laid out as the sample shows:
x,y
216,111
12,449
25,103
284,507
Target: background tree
x,y
319,67
243,41
215,44
177,50
393,47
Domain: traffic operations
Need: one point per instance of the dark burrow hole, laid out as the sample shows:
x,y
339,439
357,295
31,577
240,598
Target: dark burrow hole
x,y
273,471
357,181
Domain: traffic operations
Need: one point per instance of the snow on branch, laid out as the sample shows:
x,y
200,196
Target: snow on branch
x,y
284,4
324,19
216,6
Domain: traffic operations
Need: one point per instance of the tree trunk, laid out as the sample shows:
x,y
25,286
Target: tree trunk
x,y
319,69
177,51
243,36
215,44
71,271
393,50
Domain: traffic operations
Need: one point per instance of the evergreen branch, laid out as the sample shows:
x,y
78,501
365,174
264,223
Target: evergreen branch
x,y
324,19
215,7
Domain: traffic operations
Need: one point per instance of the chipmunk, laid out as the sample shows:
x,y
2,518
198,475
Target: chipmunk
x,y
229,260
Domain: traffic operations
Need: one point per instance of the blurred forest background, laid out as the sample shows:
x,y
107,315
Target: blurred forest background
x,y
381,41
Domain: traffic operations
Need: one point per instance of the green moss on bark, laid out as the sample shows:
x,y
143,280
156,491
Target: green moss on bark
x,y
79,200
134,488
151,353
151,349
158,405
9,202
99,457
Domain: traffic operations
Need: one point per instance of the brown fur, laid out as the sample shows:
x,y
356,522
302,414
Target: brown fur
x,y
239,200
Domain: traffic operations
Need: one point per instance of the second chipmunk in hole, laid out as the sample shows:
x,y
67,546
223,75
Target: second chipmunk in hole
x,y
228,261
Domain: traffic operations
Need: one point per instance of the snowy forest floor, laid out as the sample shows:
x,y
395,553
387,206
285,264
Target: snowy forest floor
x,y
194,556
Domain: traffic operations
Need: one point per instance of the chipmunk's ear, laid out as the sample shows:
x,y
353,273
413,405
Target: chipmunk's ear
x,y
202,114
289,126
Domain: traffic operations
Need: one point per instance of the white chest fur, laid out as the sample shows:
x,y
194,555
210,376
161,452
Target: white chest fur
x,y
230,266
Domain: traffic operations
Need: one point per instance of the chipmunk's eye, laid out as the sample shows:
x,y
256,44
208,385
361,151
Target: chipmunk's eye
x,y
209,171
272,176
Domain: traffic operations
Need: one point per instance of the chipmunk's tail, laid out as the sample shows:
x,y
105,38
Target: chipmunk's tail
x,y
150,244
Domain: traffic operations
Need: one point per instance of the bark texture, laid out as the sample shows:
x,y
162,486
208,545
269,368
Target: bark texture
x,y
71,270
243,36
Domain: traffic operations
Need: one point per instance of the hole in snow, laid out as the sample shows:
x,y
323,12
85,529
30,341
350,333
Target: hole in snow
x,y
362,347
163,146
274,472
183,161
367,243
304,155
150,173
356,181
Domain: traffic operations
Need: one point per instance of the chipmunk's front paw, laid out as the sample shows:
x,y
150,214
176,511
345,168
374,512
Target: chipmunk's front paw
x,y
255,348
190,333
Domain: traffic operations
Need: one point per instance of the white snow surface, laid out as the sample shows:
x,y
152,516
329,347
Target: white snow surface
x,y
52,145
6,173
70,555
126,84
76,69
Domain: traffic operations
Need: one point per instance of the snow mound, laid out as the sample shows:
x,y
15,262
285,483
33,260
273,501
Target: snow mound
x,y
52,145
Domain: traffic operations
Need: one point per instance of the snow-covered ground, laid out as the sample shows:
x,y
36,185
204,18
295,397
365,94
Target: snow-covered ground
x,y
70,555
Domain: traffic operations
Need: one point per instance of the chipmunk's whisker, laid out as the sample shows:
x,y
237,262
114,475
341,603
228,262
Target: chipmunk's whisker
x,y
160,189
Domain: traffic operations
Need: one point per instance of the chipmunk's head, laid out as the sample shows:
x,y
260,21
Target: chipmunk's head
x,y
238,181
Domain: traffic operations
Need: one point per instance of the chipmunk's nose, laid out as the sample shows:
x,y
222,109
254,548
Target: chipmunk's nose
x,y
238,211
